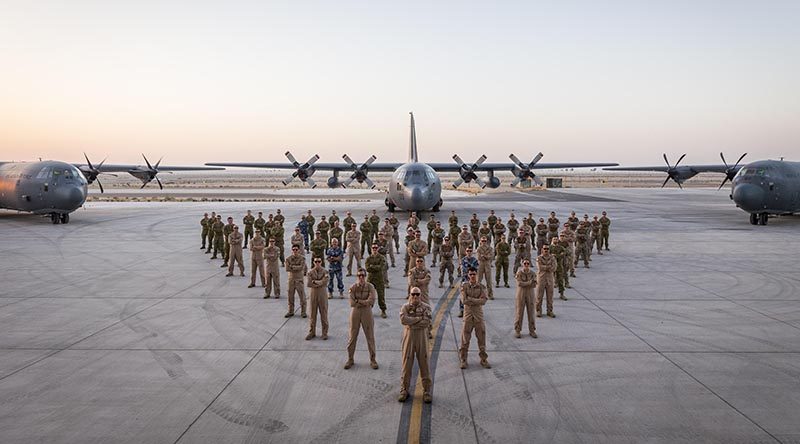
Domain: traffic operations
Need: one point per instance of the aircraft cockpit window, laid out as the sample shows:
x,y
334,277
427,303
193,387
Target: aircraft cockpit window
x,y
44,173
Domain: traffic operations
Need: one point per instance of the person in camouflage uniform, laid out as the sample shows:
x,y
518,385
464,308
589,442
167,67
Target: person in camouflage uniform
x,y
573,221
408,239
541,235
446,252
318,246
210,234
485,231
259,223
248,220
453,219
474,228
323,227
277,232
491,220
438,239
552,227
226,232
581,242
385,249
375,224
218,229
375,266
431,226
336,232
513,227
279,217
561,265
206,230
333,218
502,251
366,234
395,223
497,230
523,251
454,231
310,220
596,235
605,225
347,223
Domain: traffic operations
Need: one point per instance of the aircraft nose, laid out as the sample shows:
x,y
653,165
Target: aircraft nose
x,y
415,194
748,197
72,197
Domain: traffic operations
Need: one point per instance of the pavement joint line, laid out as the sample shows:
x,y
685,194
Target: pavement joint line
x,y
247,364
466,388
687,373
102,329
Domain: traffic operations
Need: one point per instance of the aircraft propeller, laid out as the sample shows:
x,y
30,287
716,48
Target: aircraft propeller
x,y
303,172
730,172
151,173
672,172
467,172
91,172
359,171
524,171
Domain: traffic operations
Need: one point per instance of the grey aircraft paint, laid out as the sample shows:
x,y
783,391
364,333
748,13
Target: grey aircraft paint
x,y
767,187
48,187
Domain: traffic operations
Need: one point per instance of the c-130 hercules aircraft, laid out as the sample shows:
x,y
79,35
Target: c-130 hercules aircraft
x,y
59,188
414,185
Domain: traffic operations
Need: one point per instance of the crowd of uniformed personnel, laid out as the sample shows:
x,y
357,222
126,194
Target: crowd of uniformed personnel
x,y
473,251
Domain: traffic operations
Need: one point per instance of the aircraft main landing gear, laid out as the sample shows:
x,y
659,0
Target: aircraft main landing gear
x,y
55,218
762,218
390,205
437,206
65,218
753,219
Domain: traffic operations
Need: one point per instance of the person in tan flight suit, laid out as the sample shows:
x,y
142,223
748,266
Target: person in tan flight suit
x,y
417,249
545,280
415,316
297,239
353,238
485,255
317,279
362,298
257,260
272,255
420,277
464,241
296,268
235,240
473,296
526,282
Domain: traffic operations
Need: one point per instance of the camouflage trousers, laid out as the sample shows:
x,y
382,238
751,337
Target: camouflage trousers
x,y
501,265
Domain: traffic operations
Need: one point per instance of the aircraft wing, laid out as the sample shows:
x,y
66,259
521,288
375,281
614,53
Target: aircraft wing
x,y
341,166
452,166
694,168
105,168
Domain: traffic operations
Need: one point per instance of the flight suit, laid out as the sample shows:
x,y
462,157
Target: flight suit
x,y
545,279
446,266
605,224
484,231
395,223
513,230
318,247
473,296
541,237
362,299
336,233
297,240
464,241
523,252
317,280
485,255
272,256
417,249
235,254
416,321
375,266
497,230
366,235
503,250
526,282
204,232
218,229
257,246
375,225
347,224
295,268
258,224
352,238
420,277
226,249
323,227
248,222
438,239
335,256
553,224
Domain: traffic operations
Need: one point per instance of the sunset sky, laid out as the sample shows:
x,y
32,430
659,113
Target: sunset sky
x,y
199,81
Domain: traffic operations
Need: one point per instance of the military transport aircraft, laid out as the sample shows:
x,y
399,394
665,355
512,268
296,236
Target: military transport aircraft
x,y
59,188
414,185
761,188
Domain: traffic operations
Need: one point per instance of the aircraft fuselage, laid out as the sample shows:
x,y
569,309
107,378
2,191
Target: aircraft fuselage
x,y
415,186
48,187
767,187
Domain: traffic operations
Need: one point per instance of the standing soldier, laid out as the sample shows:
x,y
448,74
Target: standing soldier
x,y
431,226
322,227
310,221
205,231
560,254
454,232
395,223
333,218
353,237
484,231
605,224
513,226
336,232
385,249
226,251
596,236
297,240
415,316
296,268
218,228
453,219
317,279
259,223
335,256
235,253
375,265
248,220
530,222
545,279
268,224
366,234
573,221
468,263
485,256
347,223
492,219
523,251
362,299
388,230
474,228
374,222
589,240
279,217
502,250
318,246
406,260
464,241
552,227
446,253
419,276
438,239
417,249
497,230
473,297
277,233
257,260
210,236
272,255
541,235
303,226
581,242
526,282
413,221
569,235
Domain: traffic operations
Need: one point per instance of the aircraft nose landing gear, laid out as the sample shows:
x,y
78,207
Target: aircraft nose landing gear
x,y
759,218
57,218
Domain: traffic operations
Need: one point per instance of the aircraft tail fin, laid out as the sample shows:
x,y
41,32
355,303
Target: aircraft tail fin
x,y
412,142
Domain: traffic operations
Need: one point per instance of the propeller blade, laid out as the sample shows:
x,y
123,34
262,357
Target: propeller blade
x,y
723,183
101,163
740,159
311,182
158,163
291,158
147,162
313,159
480,182
721,156
516,160
370,160
100,185
349,180
159,183
481,160
369,182
666,161
88,162
458,182
458,160
537,181
536,159
515,181
349,161
144,184
679,160
288,179
679,184
665,182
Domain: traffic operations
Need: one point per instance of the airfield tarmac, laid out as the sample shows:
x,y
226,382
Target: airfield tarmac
x,y
117,328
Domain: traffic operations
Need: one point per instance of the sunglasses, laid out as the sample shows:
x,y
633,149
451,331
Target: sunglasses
x,y
317,260
361,275
416,294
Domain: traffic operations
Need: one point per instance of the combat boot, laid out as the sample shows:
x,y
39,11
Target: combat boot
x,y
550,314
324,337
427,397
330,295
341,295
266,296
497,285
288,314
251,285
374,364
310,336
403,396
223,265
563,298
485,363
348,364
383,314
538,313
441,284
229,274
463,365
461,313
533,334
517,334
507,285
303,315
